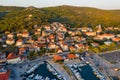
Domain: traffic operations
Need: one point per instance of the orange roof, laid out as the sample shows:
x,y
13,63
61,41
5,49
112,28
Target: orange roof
x,y
51,36
10,39
71,47
11,56
71,56
107,34
24,33
20,53
22,49
20,40
80,45
57,57
116,39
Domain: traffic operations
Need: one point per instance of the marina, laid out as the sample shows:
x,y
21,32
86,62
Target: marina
x,y
43,71
83,71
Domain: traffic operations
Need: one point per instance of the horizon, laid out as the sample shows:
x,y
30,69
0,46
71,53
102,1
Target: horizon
x,y
59,6
100,4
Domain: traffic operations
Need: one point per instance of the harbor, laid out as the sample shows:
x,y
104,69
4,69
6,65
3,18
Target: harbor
x,y
43,71
85,71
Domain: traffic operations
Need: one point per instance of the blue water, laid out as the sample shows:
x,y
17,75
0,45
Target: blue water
x,y
43,71
87,73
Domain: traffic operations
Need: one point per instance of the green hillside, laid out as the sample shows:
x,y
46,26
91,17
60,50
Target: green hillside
x,y
19,18
10,8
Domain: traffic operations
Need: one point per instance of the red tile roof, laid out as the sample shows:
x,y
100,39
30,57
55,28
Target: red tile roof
x,y
57,57
11,56
22,49
117,39
71,56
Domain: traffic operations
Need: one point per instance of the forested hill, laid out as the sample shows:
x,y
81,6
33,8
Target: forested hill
x,y
10,8
19,18
6,9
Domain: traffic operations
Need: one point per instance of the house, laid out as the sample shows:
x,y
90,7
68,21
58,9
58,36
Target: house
x,y
37,33
19,42
10,41
118,35
99,30
25,34
13,58
2,57
52,46
7,32
70,32
22,50
87,47
10,35
108,36
41,39
30,41
38,29
51,36
60,36
104,36
43,33
71,56
90,33
107,42
84,29
79,46
5,75
64,47
19,34
59,50
116,39
47,27
94,44
57,58
116,28
31,48
109,28
62,29
72,48
1,40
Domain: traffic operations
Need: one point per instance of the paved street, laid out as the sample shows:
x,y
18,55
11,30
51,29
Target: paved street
x,y
60,69
20,68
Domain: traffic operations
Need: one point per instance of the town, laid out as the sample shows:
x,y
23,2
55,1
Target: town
x,y
62,52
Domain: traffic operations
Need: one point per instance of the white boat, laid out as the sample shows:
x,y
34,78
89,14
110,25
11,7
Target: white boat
x,y
87,62
54,73
59,76
36,77
75,65
53,79
72,68
74,71
32,69
31,76
40,77
47,78
79,69
81,65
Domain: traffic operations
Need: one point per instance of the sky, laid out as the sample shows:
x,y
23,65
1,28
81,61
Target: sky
x,y
102,4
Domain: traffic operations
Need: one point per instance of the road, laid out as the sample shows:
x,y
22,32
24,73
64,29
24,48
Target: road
x,y
20,68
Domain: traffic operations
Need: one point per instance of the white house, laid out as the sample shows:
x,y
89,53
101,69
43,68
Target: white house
x,y
12,58
10,41
19,42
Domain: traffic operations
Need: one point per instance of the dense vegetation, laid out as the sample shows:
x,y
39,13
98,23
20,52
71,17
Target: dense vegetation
x,y
19,18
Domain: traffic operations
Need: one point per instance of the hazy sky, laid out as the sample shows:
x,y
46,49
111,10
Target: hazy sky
x,y
103,4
